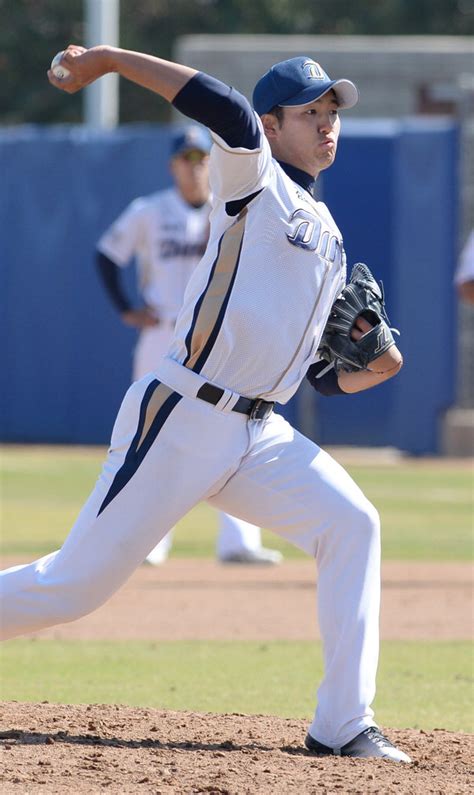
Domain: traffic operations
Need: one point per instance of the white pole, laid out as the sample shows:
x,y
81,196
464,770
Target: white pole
x,y
101,98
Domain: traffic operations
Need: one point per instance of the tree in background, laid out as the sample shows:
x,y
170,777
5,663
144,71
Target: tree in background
x,y
32,31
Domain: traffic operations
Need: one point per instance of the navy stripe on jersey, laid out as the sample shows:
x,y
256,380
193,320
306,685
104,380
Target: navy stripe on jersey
x,y
235,207
221,108
215,331
211,307
157,404
197,308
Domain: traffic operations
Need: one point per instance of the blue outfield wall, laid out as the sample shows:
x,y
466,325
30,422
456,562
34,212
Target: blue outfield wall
x,y
66,357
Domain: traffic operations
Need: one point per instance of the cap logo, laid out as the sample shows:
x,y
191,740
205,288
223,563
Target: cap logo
x,y
313,70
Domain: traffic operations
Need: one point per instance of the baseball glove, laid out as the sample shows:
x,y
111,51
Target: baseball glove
x,y
363,295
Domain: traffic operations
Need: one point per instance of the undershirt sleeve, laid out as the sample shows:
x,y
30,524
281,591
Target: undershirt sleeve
x,y
326,384
221,108
109,273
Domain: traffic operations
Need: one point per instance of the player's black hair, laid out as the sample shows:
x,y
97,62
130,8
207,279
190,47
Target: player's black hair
x,y
279,112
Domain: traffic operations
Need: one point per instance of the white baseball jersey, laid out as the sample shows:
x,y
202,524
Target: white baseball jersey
x,y
465,270
167,237
257,303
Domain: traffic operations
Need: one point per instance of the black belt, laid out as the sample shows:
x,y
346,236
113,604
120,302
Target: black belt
x,y
257,409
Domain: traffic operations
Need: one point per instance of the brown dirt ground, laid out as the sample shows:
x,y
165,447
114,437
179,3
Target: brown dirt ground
x,y
91,749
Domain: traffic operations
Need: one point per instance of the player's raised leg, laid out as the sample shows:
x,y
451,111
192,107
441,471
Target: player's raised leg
x,y
160,463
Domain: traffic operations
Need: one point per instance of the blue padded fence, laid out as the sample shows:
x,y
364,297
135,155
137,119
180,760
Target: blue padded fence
x,y
66,357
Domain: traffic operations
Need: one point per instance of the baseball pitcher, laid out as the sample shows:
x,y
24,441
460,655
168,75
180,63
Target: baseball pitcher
x,y
267,305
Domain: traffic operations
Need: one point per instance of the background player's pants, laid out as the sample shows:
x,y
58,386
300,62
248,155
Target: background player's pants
x,y
234,535
265,471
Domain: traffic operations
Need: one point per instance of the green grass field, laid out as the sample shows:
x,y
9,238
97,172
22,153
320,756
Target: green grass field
x,y
427,514
421,685
427,511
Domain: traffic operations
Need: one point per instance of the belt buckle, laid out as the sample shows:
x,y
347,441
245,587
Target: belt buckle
x,y
261,409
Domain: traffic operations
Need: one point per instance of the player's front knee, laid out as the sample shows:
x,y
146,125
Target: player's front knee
x,y
367,522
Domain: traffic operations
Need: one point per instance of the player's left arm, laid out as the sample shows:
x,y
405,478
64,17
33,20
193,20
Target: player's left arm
x,y
324,379
381,369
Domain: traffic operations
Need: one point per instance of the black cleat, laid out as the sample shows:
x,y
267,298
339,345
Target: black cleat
x,y
369,743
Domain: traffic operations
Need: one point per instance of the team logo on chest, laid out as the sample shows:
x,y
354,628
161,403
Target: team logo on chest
x,y
309,233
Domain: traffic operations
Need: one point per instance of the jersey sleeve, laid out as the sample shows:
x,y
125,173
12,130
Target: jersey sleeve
x,y
241,160
121,240
237,172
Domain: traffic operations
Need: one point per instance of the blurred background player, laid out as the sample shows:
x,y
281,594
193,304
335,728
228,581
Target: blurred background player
x,y
464,278
166,234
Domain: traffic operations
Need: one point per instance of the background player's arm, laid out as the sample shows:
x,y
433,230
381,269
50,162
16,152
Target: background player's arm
x,y
110,276
117,247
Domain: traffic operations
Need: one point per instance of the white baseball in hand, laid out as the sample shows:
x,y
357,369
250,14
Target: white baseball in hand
x,y
59,71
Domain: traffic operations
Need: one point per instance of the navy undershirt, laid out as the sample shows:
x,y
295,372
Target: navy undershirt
x,y
110,277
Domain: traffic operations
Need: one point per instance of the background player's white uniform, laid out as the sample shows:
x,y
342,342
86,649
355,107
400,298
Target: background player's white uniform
x,y
167,237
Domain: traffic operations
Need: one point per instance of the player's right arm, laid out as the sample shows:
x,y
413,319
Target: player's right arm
x,y
86,65
236,128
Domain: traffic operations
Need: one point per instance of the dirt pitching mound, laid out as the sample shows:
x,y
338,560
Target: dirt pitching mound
x,y
53,748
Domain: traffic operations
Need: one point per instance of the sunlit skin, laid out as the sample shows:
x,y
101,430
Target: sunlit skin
x,y
307,135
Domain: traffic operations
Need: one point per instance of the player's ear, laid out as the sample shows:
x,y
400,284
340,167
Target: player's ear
x,y
271,125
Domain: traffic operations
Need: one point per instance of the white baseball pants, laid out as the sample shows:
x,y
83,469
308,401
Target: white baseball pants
x,y
234,535
167,453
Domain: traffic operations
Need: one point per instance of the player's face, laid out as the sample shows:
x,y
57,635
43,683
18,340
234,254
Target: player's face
x,y
191,174
308,134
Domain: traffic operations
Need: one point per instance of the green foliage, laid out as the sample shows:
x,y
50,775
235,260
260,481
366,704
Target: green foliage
x,y
32,31
426,509
420,685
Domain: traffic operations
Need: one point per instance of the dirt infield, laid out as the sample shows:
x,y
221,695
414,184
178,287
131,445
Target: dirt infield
x,y
91,749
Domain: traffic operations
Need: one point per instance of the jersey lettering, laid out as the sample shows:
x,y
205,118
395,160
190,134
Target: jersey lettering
x,y
306,230
174,248
307,233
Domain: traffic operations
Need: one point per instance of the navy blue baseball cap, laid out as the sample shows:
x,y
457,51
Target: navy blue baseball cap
x,y
193,137
299,81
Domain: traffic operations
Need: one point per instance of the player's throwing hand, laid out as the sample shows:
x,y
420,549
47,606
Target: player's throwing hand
x,y
84,66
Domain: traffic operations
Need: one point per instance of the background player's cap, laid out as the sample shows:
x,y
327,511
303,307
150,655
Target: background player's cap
x,y
299,81
190,138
